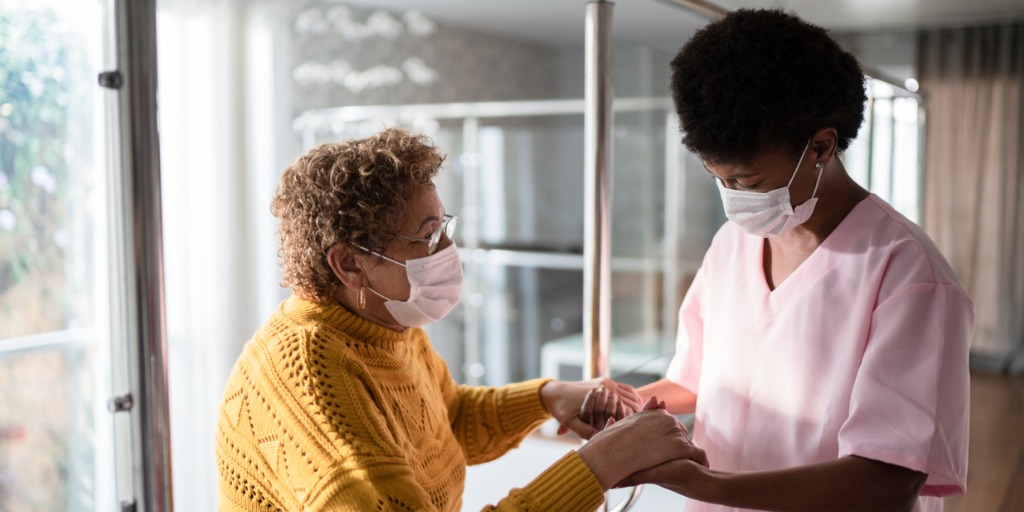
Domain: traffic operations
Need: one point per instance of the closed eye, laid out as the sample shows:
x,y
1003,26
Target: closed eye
x,y
428,226
737,184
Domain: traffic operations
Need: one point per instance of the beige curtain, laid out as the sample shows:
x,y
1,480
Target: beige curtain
x,y
220,75
973,81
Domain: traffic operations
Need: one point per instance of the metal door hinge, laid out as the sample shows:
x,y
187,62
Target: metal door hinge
x,y
111,79
120,403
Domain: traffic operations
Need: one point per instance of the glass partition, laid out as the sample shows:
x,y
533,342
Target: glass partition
x,y
508,112
515,176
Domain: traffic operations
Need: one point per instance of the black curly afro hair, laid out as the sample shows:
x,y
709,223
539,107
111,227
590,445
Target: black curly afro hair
x,y
761,79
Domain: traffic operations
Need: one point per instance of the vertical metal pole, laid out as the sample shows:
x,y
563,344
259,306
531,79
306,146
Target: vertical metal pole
x,y
472,366
597,161
138,256
675,222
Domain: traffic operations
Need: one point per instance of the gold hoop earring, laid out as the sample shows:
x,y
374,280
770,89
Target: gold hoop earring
x,y
362,298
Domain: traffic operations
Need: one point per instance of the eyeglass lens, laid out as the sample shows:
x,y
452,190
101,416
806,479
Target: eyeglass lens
x,y
447,227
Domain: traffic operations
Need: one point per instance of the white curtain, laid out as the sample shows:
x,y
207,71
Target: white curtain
x,y
223,114
973,80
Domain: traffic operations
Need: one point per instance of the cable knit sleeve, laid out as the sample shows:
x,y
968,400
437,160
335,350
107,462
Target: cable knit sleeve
x,y
568,485
487,421
490,421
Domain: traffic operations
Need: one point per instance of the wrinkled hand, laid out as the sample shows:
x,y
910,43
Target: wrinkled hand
x,y
638,442
690,451
585,407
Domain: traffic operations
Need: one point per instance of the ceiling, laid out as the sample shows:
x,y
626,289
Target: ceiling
x,y
662,24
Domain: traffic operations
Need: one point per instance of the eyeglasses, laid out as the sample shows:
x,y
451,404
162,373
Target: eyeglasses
x,y
447,227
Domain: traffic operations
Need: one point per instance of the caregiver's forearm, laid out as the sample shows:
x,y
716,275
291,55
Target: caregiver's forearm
x,y
847,484
678,400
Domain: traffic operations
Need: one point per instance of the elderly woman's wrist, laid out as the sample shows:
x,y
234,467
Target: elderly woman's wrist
x,y
550,392
600,460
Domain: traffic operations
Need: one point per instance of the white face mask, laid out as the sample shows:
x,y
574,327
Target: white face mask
x,y
435,284
768,214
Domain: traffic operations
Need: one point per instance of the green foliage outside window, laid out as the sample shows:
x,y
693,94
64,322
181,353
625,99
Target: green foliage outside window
x,y
47,143
41,68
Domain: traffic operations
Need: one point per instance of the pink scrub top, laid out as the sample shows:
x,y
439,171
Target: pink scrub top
x,y
861,351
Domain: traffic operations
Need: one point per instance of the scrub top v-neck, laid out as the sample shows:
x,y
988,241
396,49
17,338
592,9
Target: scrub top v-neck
x,y
798,281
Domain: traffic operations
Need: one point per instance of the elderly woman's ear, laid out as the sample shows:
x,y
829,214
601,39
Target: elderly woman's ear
x,y
342,261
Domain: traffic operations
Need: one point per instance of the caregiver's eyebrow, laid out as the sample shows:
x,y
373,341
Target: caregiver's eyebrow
x,y
730,177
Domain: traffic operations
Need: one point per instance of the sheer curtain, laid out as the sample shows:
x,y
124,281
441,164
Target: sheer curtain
x,y
220,105
974,174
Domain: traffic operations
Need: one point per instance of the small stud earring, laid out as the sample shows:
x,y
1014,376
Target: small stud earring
x,y
362,298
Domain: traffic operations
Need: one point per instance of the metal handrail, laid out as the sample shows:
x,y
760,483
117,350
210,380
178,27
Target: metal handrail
x,y
626,504
310,121
709,10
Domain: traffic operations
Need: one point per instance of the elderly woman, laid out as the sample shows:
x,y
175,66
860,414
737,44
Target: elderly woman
x,y
823,343
339,402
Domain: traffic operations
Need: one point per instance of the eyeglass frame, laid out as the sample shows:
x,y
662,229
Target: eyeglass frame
x,y
447,227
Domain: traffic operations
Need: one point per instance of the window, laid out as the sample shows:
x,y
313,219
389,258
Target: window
x,y
54,431
885,158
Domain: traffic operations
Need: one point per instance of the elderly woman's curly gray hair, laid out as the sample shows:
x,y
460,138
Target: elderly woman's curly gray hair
x,y
351,191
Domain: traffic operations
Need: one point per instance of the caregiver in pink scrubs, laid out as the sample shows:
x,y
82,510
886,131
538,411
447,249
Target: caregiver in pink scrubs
x,y
823,343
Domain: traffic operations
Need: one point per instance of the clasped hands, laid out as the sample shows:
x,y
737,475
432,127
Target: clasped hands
x,y
631,440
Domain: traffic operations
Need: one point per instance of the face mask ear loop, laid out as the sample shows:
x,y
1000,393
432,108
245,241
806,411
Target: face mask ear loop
x,y
362,298
802,155
375,292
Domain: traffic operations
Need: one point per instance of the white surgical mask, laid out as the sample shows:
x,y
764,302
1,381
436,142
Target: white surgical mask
x,y
768,214
435,284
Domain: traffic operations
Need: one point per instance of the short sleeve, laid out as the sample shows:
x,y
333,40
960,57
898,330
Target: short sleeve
x,y
684,369
910,398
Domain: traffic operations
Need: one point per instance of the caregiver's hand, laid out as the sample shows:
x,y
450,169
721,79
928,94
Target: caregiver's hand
x,y
585,407
638,442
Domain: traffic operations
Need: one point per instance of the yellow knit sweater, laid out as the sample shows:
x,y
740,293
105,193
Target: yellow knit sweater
x,y
326,411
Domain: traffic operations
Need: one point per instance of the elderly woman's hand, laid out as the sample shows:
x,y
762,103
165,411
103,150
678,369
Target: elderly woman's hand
x,y
585,407
627,449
